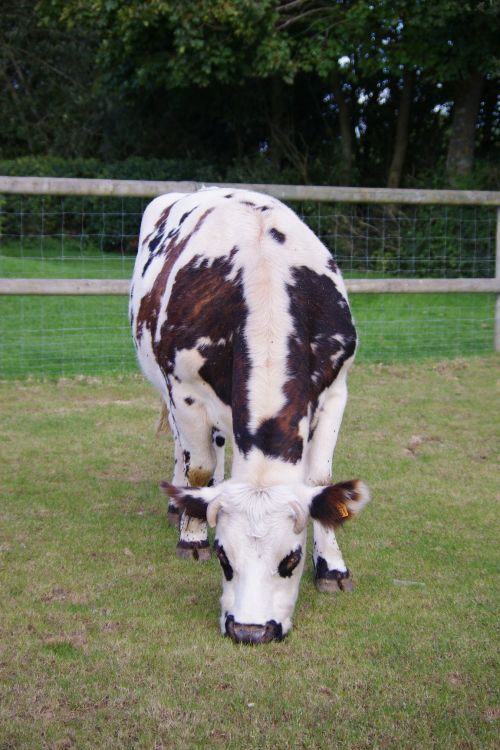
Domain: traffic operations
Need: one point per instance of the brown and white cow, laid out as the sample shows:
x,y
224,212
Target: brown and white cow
x,y
241,321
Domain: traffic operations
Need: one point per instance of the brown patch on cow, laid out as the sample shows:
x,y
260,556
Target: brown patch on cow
x,y
332,265
319,312
279,436
199,477
206,304
185,215
329,506
149,308
193,506
277,235
161,222
290,562
223,559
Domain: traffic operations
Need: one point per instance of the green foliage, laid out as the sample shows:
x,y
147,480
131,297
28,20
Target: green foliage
x,y
133,168
227,81
111,224
48,97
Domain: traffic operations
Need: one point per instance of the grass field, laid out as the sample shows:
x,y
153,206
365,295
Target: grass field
x,y
107,640
54,336
64,259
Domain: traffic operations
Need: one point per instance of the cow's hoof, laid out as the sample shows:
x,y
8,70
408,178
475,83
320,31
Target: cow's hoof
x,y
334,585
193,551
332,581
173,516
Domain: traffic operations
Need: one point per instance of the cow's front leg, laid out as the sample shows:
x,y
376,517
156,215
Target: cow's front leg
x,y
331,573
193,532
196,461
193,541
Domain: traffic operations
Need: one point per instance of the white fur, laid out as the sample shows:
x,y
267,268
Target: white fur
x,y
256,528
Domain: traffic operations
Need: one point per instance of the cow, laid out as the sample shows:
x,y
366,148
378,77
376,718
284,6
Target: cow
x,y
241,321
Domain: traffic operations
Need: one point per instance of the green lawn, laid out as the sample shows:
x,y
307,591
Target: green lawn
x,y
53,336
107,640
62,259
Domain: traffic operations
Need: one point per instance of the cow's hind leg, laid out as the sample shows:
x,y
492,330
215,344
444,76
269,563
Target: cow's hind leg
x,y
178,479
331,573
218,442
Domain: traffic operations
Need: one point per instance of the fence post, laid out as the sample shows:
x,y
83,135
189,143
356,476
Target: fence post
x,y
497,275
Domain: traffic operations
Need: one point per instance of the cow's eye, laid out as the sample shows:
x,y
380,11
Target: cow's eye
x,y
290,562
225,564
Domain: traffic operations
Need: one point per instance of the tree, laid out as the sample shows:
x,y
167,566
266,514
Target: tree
x,y
350,90
46,82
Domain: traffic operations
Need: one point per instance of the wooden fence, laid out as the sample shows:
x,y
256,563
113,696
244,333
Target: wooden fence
x,y
150,189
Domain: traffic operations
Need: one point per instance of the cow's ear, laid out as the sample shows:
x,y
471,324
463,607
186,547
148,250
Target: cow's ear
x,y
336,503
193,500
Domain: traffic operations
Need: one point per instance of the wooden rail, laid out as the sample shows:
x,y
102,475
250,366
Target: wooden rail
x,y
331,194
51,287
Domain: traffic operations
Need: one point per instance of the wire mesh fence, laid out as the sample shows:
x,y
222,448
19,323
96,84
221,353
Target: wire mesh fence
x,y
410,241
96,237
50,236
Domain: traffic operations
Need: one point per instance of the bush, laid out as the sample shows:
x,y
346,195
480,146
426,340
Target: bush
x,y
108,223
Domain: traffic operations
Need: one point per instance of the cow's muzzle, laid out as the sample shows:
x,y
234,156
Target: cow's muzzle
x,y
271,631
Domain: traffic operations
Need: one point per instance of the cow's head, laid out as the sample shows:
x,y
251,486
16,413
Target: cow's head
x,y
260,540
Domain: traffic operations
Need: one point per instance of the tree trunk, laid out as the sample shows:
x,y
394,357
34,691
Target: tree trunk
x,y
283,146
460,158
401,142
276,116
346,131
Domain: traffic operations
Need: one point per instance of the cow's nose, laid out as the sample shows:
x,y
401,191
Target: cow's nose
x,y
242,633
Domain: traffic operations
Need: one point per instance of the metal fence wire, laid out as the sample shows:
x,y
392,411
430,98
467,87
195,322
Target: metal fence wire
x,y
414,241
95,237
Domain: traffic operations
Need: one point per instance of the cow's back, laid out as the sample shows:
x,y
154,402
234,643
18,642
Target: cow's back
x,y
231,289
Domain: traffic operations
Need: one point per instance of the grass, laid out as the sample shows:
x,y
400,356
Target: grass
x,y
62,259
53,336
108,640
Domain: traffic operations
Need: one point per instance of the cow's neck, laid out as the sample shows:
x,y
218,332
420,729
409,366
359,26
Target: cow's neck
x,y
260,470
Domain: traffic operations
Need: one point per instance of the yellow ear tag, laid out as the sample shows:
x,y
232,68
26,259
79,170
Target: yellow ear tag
x,y
343,510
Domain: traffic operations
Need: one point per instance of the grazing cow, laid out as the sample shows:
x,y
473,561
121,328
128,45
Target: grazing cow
x,y
240,319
